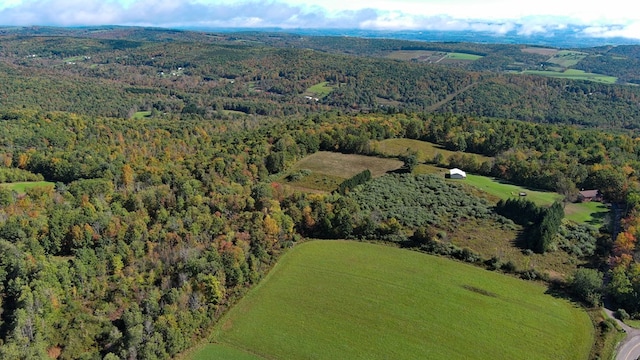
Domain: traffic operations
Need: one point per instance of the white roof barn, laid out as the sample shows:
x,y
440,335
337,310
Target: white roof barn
x,y
456,173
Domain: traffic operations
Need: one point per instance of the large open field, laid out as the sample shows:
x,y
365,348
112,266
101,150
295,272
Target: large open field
x,y
432,56
426,150
574,75
329,169
567,58
593,213
463,56
350,300
503,190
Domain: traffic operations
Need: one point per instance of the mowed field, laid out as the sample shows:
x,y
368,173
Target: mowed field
x,y
432,56
329,169
593,213
21,187
319,90
567,58
575,75
503,190
425,150
350,300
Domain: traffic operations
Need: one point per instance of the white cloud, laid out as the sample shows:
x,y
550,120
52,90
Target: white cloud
x,y
630,31
494,16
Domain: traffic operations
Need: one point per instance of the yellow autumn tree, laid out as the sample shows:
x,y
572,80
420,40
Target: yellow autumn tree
x,y
127,175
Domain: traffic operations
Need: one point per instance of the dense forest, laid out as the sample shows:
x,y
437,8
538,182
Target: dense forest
x,y
166,153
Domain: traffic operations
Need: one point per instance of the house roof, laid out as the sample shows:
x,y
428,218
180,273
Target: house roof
x,y
589,193
456,171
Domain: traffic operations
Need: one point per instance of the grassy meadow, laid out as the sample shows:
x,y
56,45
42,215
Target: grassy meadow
x,y
329,169
463,56
350,300
21,187
593,213
574,75
503,190
425,150
320,90
431,56
141,115
567,58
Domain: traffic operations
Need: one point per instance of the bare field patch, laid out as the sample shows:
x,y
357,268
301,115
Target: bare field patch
x,y
346,165
418,55
328,169
316,183
540,51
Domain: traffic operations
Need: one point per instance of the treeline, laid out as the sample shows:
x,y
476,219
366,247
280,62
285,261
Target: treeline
x,y
352,182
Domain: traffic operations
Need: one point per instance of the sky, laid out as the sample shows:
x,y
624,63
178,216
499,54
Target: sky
x,y
610,18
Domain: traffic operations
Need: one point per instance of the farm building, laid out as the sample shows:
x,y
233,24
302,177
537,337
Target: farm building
x,y
456,173
589,195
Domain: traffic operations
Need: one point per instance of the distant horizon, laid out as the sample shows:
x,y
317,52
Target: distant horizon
x,y
497,17
570,37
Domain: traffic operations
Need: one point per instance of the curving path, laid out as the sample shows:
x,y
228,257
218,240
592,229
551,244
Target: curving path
x,y
629,348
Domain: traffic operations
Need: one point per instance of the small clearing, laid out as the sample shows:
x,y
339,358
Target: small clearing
x,y
21,187
319,90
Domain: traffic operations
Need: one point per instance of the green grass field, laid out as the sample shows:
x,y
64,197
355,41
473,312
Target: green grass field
x,y
426,150
463,56
320,90
141,114
350,300
593,213
503,190
221,351
233,112
567,58
575,75
431,56
21,187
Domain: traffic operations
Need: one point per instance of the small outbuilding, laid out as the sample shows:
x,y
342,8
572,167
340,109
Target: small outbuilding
x,y
589,195
456,173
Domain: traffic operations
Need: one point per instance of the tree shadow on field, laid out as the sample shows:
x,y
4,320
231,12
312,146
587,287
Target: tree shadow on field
x,y
401,170
521,241
599,217
560,290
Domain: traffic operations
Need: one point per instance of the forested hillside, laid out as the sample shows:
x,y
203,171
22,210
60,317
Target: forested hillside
x,y
165,155
123,72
